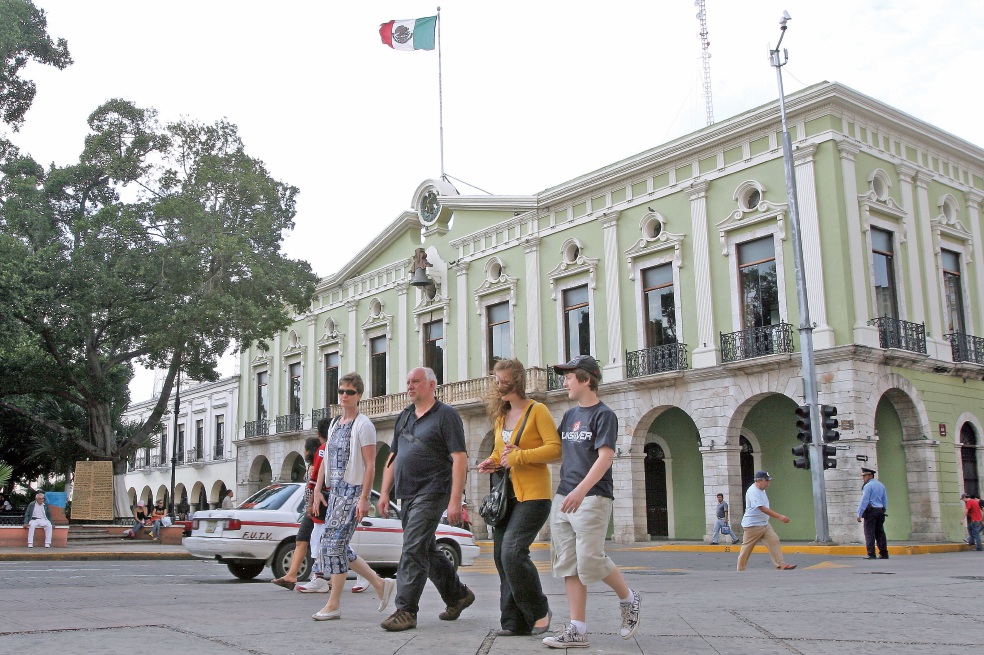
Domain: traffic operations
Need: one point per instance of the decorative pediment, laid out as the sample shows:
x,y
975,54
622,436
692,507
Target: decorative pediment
x,y
261,359
870,205
763,212
430,305
571,268
951,228
294,346
375,322
654,239
503,284
331,334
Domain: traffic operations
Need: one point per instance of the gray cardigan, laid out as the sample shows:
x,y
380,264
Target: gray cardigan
x,y
29,514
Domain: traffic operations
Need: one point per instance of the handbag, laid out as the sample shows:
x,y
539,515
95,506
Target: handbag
x,y
495,506
725,529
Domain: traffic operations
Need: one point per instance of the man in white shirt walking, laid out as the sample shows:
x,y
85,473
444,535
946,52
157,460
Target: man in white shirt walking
x,y
755,524
38,516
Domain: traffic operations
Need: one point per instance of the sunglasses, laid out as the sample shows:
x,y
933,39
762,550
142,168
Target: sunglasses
x,y
347,392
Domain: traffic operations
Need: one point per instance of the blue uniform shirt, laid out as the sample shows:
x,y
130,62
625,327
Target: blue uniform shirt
x,y
874,495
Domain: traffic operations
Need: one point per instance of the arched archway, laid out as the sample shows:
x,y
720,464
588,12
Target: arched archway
x,y
657,506
217,493
294,468
147,496
131,494
199,500
968,459
260,475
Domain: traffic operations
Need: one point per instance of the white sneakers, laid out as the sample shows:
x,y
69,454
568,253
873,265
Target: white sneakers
x,y
630,615
315,586
569,637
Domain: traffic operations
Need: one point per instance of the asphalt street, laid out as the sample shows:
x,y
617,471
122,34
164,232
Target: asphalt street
x,y
692,603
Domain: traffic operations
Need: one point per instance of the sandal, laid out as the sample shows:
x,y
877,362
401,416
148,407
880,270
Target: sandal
x,y
787,567
280,582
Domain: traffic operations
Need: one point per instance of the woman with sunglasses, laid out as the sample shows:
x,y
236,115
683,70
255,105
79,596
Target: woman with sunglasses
x,y
526,439
349,468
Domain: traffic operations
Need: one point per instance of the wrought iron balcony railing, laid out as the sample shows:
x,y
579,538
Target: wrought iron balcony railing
x,y
896,333
554,380
658,359
756,342
260,428
318,414
219,452
195,455
966,347
290,423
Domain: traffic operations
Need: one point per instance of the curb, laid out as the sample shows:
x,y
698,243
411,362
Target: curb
x,y
847,551
82,556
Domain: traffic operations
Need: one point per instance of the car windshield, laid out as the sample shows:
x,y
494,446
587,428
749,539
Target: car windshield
x,y
272,497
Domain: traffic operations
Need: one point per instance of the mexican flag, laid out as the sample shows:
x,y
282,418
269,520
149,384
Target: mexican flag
x,y
409,34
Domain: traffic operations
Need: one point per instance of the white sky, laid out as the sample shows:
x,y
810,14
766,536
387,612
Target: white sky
x,y
535,93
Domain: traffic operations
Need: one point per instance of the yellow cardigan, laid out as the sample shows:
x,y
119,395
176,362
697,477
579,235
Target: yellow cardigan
x,y
539,444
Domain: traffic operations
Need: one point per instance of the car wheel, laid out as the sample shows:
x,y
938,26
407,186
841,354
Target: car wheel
x,y
246,570
282,559
450,551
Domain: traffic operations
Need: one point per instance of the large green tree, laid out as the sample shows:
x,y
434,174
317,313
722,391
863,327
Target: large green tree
x,y
161,245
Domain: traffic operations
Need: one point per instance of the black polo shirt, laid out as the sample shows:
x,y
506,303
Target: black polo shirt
x,y
423,448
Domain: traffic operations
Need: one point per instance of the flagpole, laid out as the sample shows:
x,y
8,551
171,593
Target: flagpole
x,y
440,92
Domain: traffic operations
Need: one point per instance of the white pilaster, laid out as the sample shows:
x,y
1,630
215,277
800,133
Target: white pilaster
x,y
864,334
402,298
534,339
707,350
612,366
461,332
974,200
907,174
936,345
806,192
311,374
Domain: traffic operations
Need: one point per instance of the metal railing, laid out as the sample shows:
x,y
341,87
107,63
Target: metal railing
x,y
219,452
260,428
658,359
966,347
318,414
554,380
756,342
194,455
896,333
290,423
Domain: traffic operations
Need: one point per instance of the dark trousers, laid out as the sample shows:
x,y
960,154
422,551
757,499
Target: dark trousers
x,y
521,599
421,559
874,531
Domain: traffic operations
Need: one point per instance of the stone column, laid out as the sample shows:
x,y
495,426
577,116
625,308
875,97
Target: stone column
x,y
353,337
922,476
722,475
612,366
311,374
806,191
707,351
629,511
401,327
534,338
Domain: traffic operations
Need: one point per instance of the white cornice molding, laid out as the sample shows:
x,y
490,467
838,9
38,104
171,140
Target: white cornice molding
x,y
495,203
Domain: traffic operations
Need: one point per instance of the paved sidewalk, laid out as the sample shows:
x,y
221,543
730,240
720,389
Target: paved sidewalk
x,y
155,551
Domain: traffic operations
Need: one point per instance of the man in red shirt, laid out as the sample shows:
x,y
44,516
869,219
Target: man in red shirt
x,y
973,516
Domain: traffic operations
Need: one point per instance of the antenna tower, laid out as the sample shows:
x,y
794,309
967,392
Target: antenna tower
x,y
705,56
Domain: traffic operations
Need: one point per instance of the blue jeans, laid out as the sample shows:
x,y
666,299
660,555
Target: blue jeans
x,y
718,524
521,599
975,533
421,559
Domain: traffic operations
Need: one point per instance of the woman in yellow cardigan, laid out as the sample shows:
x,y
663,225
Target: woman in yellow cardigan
x,y
524,607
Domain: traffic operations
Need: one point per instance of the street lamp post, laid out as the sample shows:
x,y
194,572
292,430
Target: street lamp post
x,y
174,442
806,325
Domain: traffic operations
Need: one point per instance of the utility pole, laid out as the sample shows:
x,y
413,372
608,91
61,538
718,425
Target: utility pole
x,y
806,325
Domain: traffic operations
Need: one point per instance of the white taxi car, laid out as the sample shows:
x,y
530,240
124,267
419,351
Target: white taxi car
x,y
262,530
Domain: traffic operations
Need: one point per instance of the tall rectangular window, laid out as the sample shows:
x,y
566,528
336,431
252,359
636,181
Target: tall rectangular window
x,y
953,291
219,437
181,444
758,283
577,322
200,439
162,431
658,300
377,350
883,258
262,395
434,348
332,363
500,345
295,389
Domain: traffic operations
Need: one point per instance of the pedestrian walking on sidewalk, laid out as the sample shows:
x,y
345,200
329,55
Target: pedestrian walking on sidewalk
x,y
872,510
722,519
426,470
349,467
973,517
582,506
526,440
755,524
38,515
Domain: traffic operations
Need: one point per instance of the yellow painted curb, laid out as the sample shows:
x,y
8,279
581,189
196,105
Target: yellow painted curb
x,y
845,550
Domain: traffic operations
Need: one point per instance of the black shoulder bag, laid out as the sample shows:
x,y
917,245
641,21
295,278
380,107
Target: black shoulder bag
x,y
495,506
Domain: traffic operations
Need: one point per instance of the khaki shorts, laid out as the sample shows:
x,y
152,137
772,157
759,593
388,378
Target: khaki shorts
x,y
577,539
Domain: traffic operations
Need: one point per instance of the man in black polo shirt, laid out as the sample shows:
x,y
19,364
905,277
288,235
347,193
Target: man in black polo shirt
x,y
428,463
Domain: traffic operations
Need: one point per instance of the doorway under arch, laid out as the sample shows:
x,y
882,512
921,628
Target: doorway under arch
x,y
657,510
746,459
968,460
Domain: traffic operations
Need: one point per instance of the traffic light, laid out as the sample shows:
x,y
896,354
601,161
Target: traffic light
x,y
829,423
804,433
829,457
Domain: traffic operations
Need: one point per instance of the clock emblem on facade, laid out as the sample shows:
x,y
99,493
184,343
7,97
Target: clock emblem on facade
x,y
427,203
429,207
